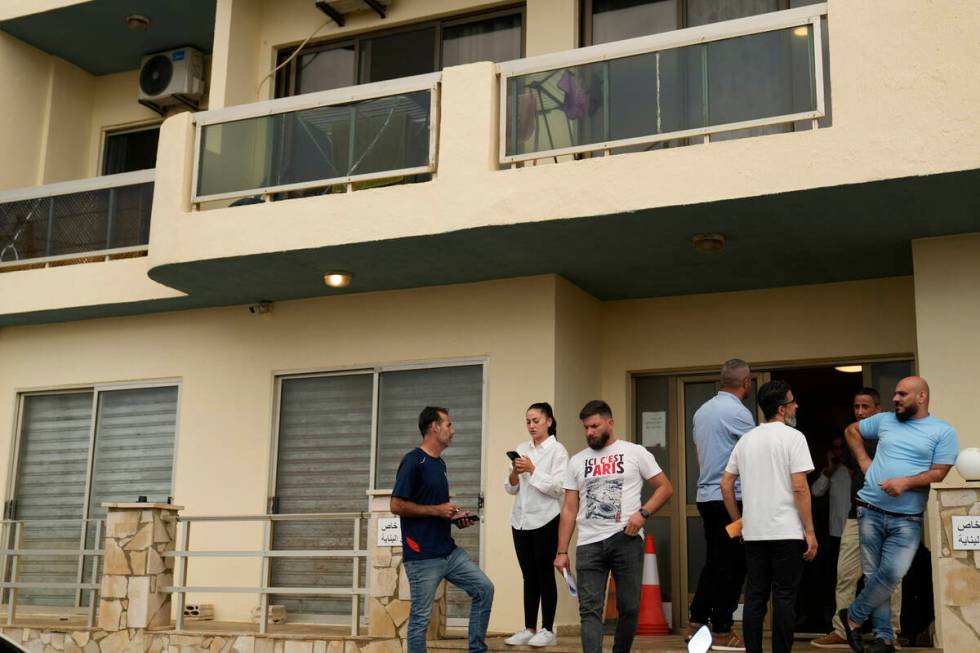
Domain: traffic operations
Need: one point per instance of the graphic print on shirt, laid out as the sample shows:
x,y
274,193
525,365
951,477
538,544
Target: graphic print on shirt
x,y
604,487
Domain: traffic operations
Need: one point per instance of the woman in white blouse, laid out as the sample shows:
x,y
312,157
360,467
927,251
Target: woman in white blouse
x,y
536,481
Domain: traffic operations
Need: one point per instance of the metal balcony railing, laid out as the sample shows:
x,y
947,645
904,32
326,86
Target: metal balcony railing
x,y
751,73
267,554
31,560
88,219
380,131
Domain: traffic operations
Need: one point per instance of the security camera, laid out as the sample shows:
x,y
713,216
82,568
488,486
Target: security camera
x,y
261,308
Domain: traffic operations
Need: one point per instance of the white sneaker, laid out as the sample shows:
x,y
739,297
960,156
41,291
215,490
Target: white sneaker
x,y
520,638
543,637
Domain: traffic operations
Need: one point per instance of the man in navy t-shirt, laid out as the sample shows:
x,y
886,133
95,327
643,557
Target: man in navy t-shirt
x,y
915,449
421,499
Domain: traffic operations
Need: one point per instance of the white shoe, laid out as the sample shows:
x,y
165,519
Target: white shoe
x,y
520,638
543,637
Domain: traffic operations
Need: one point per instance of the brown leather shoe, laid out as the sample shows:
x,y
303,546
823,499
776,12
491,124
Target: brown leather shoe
x,y
690,629
726,642
830,640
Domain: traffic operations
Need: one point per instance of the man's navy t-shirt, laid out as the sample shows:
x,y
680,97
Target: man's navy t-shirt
x,y
422,479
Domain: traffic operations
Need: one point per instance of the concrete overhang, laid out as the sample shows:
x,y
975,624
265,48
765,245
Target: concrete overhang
x,y
93,35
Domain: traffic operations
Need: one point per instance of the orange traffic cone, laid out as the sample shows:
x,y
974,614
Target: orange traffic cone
x,y
651,621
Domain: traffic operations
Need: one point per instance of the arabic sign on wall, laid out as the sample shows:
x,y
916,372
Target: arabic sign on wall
x,y
966,532
389,531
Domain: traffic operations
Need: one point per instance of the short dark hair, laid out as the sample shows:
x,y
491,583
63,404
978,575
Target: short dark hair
x,y
871,392
595,407
772,395
429,416
544,408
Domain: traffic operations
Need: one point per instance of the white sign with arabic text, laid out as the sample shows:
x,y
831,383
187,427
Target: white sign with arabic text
x,y
389,531
966,532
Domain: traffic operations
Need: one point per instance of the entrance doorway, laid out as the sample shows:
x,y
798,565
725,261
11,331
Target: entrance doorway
x,y
663,411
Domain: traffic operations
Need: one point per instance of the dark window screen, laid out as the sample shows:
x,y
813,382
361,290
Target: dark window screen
x,y
129,151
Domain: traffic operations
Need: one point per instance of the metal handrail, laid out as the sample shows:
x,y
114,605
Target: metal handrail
x,y
16,552
182,554
347,95
801,16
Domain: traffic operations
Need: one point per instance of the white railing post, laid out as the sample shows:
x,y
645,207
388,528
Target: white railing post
x,y
92,594
264,581
355,615
15,572
181,581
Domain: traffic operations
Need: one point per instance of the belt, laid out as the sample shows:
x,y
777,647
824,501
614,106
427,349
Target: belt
x,y
862,504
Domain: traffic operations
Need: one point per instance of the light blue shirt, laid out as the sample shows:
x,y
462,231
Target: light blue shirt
x,y
905,449
718,424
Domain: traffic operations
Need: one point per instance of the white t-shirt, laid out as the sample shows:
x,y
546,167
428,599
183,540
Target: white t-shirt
x,y
608,482
764,458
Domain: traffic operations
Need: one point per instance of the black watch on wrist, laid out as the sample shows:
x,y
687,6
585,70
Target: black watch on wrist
x,y
645,513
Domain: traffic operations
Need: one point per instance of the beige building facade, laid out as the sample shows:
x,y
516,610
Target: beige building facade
x,y
541,247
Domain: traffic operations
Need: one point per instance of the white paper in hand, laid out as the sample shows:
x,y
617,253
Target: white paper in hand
x,y
570,581
701,641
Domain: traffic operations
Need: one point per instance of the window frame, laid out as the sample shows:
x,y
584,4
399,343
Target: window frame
x,y
286,80
585,23
121,131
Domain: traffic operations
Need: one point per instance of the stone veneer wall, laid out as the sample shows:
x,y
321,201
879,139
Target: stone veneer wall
x,y
142,641
956,576
135,567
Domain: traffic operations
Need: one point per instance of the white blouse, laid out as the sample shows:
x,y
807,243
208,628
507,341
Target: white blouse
x,y
539,494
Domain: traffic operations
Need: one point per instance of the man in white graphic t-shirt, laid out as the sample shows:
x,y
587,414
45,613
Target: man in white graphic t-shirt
x,y
602,496
773,461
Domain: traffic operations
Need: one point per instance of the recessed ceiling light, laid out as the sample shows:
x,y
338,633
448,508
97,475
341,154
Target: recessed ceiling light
x,y
849,369
137,23
709,243
337,279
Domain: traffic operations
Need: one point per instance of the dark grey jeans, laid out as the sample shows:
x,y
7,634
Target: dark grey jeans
x,y
623,556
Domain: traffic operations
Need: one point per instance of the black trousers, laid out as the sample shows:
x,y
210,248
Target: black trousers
x,y
536,550
720,583
773,566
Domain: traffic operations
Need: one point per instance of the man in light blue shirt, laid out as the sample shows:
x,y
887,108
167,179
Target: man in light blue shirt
x,y
915,449
718,424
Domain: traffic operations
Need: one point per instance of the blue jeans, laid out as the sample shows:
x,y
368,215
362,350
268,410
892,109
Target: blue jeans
x,y
459,569
622,555
888,545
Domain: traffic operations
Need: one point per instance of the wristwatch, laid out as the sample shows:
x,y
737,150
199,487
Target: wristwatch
x,y
645,513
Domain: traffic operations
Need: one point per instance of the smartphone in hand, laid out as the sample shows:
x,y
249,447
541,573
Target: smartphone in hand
x,y
466,520
513,455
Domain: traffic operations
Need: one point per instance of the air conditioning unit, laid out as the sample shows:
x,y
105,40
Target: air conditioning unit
x,y
172,77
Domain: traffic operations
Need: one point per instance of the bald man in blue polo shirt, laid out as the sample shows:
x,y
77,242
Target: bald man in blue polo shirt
x,y
915,449
718,425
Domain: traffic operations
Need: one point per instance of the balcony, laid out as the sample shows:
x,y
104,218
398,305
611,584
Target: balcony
x,y
80,221
318,143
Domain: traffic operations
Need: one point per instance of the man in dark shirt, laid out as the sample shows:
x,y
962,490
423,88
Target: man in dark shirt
x,y
421,499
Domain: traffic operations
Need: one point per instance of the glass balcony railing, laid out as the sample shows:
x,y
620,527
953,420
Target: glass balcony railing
x,y
89,219
751,73
317,141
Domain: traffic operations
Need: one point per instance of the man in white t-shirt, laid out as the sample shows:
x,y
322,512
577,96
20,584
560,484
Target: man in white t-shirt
x,y
602,496
772,461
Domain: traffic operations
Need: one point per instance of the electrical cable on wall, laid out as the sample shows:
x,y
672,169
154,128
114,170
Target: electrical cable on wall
x,y
258,89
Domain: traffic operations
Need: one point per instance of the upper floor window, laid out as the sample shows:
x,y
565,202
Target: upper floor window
x,y
615,20
414,50
130,149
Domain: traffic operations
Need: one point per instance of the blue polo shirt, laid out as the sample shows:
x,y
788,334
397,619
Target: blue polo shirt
x,y
905,449
422,479
718,424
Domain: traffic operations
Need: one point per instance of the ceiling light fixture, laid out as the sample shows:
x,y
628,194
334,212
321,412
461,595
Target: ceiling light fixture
x,y
137,23
801,31
849,369
708,243
337,279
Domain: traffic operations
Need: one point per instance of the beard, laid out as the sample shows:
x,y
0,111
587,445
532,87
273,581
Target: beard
x,y
903,414
791,421
598,442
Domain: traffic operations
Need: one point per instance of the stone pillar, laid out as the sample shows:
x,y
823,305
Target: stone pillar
x,y
955,573
389,597
135,569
